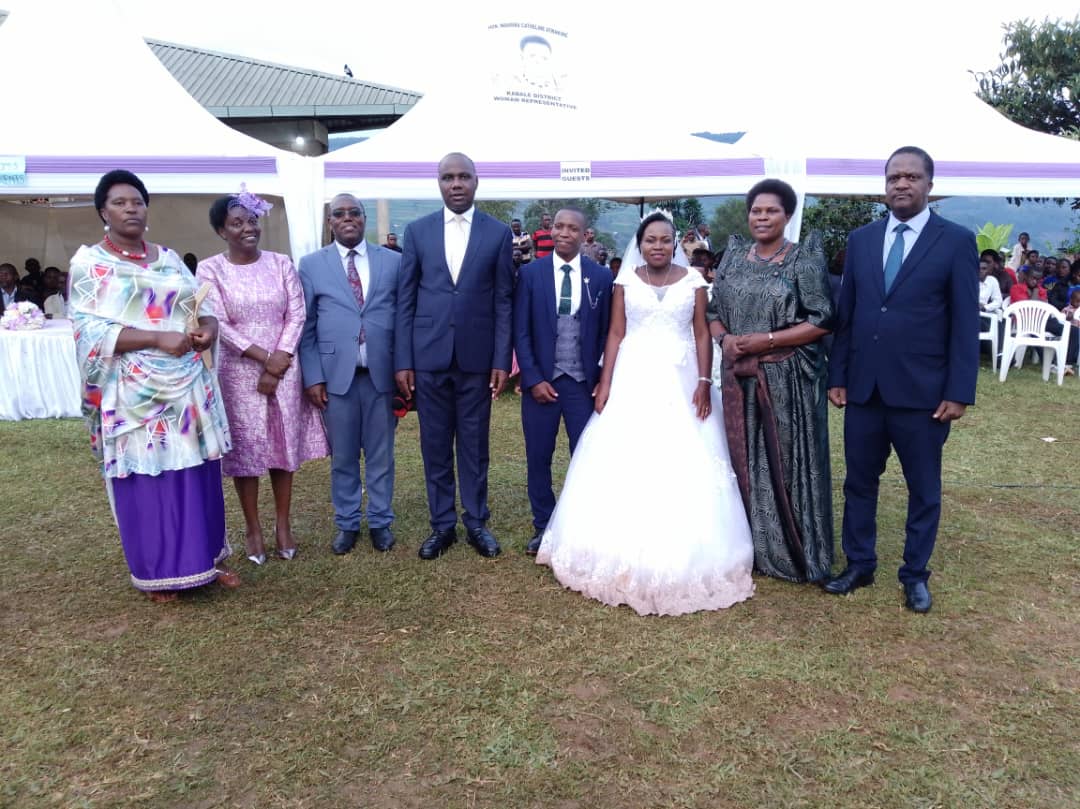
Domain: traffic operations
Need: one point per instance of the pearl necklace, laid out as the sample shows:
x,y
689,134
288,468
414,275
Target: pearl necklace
x,y
758,256
126,253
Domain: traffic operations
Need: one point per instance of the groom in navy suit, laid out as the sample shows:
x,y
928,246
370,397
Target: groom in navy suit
x,y
904,363
562,303
452,349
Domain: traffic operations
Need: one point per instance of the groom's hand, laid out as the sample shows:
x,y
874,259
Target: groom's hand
x,y
838,396
543,392
406,383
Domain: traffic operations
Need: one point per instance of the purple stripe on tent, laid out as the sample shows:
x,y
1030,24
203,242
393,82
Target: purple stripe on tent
x,y
152,165
731,167
550,170
946,168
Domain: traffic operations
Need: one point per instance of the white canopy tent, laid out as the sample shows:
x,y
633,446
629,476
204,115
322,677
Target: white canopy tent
x,y
111,105
531,114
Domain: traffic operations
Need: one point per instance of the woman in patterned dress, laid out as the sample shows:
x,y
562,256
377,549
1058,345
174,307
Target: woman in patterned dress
x,y
770,308
153,408
260,306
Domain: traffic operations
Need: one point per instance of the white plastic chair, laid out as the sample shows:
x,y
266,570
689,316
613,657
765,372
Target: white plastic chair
x,y
993,320
1025,327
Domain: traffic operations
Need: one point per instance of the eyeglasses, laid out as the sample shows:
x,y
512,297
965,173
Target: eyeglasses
x,y
341,213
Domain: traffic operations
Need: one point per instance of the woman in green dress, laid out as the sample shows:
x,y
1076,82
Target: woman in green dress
x,y
770,308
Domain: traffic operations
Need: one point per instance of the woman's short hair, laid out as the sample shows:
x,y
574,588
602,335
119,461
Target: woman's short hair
x,y
648,220
118,177
219,210
788,198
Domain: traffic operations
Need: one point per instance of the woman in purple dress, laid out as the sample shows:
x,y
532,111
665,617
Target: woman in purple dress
x,y
260,306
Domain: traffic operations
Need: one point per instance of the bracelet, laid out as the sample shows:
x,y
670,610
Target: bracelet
x,y
772,342
704,379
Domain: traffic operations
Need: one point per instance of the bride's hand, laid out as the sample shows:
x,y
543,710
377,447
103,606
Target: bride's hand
x,y
703,400
601,397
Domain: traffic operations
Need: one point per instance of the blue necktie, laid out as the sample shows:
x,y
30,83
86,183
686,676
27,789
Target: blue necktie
x,y
896,255
566,292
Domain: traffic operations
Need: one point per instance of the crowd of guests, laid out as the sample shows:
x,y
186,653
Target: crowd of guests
x,y
47,289
252,366
1029,276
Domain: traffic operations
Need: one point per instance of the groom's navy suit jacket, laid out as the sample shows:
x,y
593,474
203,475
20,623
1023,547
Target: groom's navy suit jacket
x,y
439,321
536,317
917,344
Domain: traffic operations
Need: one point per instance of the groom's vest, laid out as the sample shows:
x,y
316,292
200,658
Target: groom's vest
x,y
568,348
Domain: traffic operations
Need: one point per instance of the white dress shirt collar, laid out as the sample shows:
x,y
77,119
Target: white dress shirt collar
x,y
343,251
448,215
916,223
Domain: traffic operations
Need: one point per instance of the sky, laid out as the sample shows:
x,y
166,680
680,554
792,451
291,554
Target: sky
x,y
706,52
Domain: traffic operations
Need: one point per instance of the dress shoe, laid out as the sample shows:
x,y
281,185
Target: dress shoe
x,y
227,578
382,539
288,554
917,596
850,579
344,541
438,543
483,542
257,558
533,547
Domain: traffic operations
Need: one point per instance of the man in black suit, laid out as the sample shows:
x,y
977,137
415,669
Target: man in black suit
x,y
9,287
903,364
452,349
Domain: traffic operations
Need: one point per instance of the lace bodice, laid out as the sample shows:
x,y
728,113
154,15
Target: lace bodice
x,y
669,318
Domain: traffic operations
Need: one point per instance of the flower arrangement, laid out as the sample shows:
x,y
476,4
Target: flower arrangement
x,y
22,316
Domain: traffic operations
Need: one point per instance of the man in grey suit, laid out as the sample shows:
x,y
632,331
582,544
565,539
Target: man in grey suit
x,y
347,361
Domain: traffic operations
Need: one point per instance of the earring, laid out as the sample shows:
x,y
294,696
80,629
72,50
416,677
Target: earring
x,y
146,228
106,228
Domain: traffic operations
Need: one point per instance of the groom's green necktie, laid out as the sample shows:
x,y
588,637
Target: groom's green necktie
x,y
896,255
566,292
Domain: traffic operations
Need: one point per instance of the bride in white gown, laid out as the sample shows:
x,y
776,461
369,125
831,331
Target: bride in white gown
x,y
650,513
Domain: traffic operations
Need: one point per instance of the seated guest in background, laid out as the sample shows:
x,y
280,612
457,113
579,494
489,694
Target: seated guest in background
x,y
541,237
1057,284
1004,276
1028,287
1017,257
615,265
521,241
55,295
391,243
259,304
590,247
191,261
602,256
33,275
989,290
1074,277
9,287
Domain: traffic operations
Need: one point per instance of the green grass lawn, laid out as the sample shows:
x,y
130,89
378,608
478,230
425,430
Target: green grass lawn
x,y
386,682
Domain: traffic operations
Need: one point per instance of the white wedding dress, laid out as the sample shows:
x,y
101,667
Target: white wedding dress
x,y
650,514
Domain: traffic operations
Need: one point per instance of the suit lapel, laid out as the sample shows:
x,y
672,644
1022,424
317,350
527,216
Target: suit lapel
x,y
876,246
926,240
473,244
374,275
585,306
336,272
546,280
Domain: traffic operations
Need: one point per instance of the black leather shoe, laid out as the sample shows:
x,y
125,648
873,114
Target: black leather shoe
x,y
483,542
382,539
344,541
438,543
917,596
533,547
850,579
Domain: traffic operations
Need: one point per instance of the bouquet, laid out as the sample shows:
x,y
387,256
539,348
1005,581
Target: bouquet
x,y
22,316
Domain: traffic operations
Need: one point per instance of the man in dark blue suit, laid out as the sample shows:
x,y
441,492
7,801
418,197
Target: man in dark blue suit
x,y
562,303
452,349
904,363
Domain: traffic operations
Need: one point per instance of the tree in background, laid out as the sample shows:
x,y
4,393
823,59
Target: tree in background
x,y
835,218
729,218
1037,84
593,208
501,209
686,212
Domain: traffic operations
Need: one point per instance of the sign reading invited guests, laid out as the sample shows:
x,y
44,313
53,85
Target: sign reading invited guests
x,y
576,171
531,64
12,170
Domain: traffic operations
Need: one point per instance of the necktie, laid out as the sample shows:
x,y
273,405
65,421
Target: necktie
x,y
566,293
355,283
457,248
896,255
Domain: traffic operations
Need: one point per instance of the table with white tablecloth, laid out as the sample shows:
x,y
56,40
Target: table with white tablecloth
x,y
39,376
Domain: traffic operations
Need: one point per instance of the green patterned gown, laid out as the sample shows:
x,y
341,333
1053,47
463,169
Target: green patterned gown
x,y
754,296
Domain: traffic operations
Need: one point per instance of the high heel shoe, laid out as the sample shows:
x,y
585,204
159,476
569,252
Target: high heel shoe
x,y
288,554
257,558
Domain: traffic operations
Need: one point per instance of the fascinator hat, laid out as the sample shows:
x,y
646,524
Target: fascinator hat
x,y
252,203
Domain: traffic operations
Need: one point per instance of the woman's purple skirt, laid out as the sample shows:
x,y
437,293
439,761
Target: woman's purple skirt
x,y
172,526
